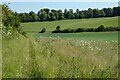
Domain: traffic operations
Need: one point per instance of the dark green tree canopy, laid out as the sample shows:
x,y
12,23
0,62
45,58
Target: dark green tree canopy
x,y
51,15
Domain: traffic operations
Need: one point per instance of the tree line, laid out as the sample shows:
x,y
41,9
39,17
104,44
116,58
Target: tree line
x,y
100,28
51,15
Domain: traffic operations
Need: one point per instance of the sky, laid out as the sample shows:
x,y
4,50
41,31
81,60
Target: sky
x,y
36,6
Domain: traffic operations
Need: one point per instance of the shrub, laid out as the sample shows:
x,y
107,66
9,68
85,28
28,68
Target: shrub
x,y
24,34
117,28
68,30
43,30
80,30
56,31
111,28
90,30
58,27
100,28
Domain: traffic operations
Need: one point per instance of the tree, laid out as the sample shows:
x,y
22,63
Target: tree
x,y
33,16
55,13
60,15
42,15
98,13
85,12
77,11
108,12
65,13
95,13
81,15
24,17
101,13
46,10
116,11
89,13
72,16
10,21
52,16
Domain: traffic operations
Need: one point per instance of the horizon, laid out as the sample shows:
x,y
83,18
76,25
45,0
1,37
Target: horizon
x,y
21,7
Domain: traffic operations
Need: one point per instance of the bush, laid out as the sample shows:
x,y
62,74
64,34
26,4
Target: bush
x,y
80,30
90,30
24,34
111,28
56,31
117,28
101,28
58,27
68,30
43,30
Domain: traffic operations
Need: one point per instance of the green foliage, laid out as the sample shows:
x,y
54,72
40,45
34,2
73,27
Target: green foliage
x,y
42,15
24,33
57,30
10,21
98,13
58,27
33,16
108,12
116,11
59,58
101,28
51,15
43,30
73,24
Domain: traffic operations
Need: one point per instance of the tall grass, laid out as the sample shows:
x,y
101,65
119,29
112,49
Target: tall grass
x,y
56,58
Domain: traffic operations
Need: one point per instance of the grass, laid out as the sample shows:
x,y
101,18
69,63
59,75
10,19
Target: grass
x,y
103,36
55,57
69,55
77,23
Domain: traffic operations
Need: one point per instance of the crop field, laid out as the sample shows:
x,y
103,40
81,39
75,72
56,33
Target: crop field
x,y
80,23
62,55
98,36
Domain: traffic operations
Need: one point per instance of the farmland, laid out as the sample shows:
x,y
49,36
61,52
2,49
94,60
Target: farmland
x,y
102,36
62,55
76,23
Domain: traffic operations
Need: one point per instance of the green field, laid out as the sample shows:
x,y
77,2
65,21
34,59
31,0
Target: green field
x,y
54,57
80,23
62,55
102,36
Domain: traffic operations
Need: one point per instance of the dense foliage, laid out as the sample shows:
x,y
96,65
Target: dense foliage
x,y
43,30
51,15
101,28
10,22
